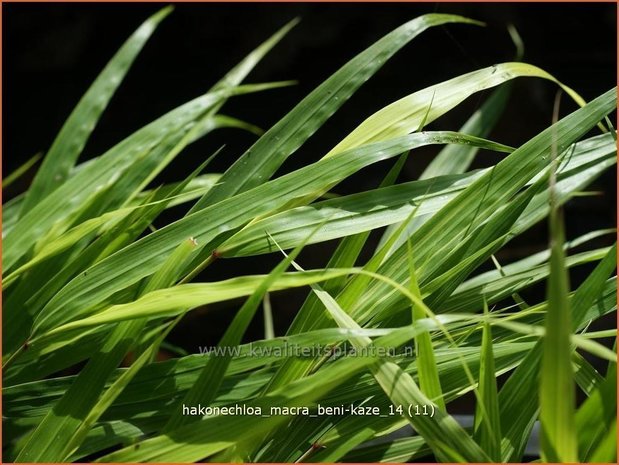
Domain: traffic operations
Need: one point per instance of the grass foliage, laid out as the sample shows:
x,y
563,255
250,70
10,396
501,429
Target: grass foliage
x,y
87,282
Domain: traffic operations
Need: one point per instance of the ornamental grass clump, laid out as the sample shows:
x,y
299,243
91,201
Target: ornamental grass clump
x,y
87,281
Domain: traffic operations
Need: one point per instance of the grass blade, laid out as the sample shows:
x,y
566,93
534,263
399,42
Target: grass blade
x,y
406,115
557,397
167,302
75,132
137,260
606,451
270,151
68,415
155,140
207,385
487,425
441,432
347,215
595,418
225,431
429,380
19,172
454,159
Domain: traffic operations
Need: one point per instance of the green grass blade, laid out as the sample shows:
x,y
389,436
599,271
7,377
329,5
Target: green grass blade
x,y
593,286
223,121
595,417
224,431
137,260
348,215
51,441
587,377
429,381
168,302
557,397
112,392
441,431
475,248
488,193
267,312
72,138
487,425
193,190
270,151
237,74
588,159
70,238
406,115
495,285
152,146
143,172
515,396
209,381
455,159
10,213
19,172
125,232
345,255
606,451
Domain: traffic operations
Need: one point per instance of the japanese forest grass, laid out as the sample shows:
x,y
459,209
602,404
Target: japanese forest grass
x,y
89,281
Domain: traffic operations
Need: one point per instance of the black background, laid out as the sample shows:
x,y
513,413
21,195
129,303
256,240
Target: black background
x,y
52,53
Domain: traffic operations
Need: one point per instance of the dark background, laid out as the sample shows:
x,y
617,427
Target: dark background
x,y
52,53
